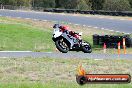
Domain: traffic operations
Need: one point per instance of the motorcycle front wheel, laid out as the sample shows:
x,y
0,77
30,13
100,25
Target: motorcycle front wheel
x,y
61,45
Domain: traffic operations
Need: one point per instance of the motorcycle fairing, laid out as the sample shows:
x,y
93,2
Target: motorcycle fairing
x,y
71,39
57,33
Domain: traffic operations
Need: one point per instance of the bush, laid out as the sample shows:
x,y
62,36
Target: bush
x,y
130,1
97,4
83,5
116,5
44,3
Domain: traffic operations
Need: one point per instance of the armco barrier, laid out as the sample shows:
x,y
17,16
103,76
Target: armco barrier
x,y
111,40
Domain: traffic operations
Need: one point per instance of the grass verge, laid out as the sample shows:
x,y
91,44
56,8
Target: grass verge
x,y
17,35
57,72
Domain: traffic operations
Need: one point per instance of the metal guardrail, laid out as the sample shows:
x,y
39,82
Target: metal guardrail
x,y
75,11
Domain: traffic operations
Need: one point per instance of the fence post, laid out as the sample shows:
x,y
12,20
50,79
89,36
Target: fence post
x,y
124,45
119,48
104,48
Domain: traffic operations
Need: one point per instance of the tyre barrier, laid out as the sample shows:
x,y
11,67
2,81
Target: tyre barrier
x,y
112,40
93,12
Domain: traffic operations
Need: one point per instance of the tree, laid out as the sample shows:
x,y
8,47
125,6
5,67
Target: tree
x,y
116,5
44,3
3,1
88,2
49,3
130,1
68,4
23,2
57,4
16,2
73,4
84,5
97,4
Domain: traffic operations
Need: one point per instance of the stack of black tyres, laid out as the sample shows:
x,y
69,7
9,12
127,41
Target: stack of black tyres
x,y
111,40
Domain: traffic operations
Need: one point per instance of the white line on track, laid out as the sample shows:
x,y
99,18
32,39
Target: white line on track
x,y
18,17
101,17
4,57
102,28
111,30
76,24
122,19
55,21
13,51
106,29
84,25
35,19
89,26
95,27
98,59
117,31
8,16
75,15
49,13
45,20
87,16
111,18
49,52
27,18
63,22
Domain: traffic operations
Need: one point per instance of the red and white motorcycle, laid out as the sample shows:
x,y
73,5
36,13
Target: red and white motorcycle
x,y
66,40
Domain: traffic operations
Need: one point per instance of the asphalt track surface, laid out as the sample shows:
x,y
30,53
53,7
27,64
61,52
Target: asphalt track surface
x,y
104,23
116,25
70,55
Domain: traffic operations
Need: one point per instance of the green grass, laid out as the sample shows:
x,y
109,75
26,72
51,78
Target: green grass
x,y
19,36
57,72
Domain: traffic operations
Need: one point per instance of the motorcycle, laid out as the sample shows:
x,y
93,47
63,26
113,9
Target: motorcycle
x,y
65,42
